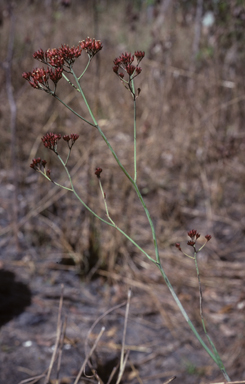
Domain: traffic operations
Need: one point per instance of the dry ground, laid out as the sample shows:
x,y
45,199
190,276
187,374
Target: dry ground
x,y
191,143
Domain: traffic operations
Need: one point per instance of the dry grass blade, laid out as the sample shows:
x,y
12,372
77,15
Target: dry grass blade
x,y
123,360
89,355
33,380
136,372
61,350
230,382
112,374
99,319
59,331
169,380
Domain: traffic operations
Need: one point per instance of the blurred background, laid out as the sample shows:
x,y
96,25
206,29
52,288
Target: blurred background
x,y
191,142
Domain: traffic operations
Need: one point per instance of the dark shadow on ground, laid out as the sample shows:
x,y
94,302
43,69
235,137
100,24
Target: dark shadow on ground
x,y
14,296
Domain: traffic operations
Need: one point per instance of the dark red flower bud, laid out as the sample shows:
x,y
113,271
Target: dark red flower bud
x,y
66,137
91,46
98,172
74,137
37,163
138,70
117,61
130,69
208,237
50,141
139,55
193,234
177,245
191,243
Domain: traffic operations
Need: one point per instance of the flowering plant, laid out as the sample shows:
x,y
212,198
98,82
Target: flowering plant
x,y
59,62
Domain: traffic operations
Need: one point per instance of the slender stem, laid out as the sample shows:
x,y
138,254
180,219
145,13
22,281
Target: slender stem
x,y
69,81
84,98
218,359
89,60
135,147
184,312
72,110
106,207
68,156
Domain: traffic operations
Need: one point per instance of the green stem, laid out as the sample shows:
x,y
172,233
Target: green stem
x,y
105,203
184,313
84,98
89,60
217,356
72,110
69,81
135,158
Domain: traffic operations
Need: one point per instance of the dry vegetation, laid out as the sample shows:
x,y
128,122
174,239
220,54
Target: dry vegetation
x,y
191,144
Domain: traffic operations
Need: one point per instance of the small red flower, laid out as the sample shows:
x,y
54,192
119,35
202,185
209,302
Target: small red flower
x,y
48,172
130,69
98,172
116,68
50,141
177,245
91,46
55,75
37,163
39,77
125,62
138,70
208,237
139,55
193,234
66,138
73,138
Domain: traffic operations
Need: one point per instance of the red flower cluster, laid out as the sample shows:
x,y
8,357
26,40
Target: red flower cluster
x,y
98,172
194,235
61,59
91,46
37,163
50,141
125,62
39,77
70,139
208,237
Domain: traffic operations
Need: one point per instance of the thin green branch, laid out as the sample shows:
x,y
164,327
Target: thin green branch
x,y
218,359
89,61
72,110
105,203
69,81
135,147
